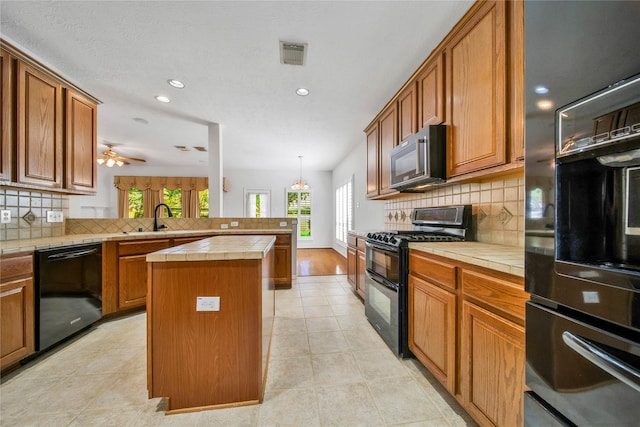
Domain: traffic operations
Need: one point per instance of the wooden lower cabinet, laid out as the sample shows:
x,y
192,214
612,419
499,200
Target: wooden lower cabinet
x,y
17,322
492,367
282,256
466,326
432,329
356,263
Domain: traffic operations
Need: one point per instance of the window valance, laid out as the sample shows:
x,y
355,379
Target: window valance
x,y
158,183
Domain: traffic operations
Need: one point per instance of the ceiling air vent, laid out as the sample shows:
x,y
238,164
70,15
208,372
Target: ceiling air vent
x,y
181,147
293,53
200,148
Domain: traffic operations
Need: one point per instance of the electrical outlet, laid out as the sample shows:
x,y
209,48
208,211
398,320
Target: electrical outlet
x,y
224,226
283,223
5,216
234,223
54,216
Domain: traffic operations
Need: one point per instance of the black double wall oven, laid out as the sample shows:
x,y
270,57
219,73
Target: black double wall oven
x,y
582,221
387,269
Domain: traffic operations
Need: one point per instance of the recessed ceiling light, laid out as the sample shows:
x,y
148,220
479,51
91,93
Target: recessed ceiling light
x,y
302,91
176,83
544,104
163,99
541,90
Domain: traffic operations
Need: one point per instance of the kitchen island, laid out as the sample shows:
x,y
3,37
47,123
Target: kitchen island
x,y
210,309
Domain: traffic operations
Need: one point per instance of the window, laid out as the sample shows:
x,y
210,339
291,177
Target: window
x,y
257,203
203,201
136,205
299,206
344,210
173,199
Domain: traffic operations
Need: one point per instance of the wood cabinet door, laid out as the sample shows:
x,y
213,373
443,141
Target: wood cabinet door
x,y
17,320
6,116
132,281
431,93
81,143
476,92
432,329
407,112
360,276
352,262
492,367
388,140
39,131
372,160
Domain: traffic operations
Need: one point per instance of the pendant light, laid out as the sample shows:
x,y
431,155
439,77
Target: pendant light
x,y
300,184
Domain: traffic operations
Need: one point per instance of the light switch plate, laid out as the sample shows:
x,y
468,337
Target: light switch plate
x,y
234,223
283,223
54,216
207,303
5,216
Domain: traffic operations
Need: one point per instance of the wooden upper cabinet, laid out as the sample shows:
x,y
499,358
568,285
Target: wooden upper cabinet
x,y
407,112
6,116
388,140
476,91
81,142
372,160
430,90
516,78
39,130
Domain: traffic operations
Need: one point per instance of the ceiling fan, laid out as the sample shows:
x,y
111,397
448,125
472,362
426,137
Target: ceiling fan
x,y
110,158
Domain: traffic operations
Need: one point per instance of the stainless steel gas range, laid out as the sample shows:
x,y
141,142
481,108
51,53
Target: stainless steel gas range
x,y
387,269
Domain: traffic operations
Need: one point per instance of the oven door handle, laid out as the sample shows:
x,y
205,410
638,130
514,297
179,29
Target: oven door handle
x,y
381,280
381,248
602,359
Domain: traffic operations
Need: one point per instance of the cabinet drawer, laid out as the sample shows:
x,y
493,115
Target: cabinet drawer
x,y
352,240
438,272
361,244
15,266
142,247
504,296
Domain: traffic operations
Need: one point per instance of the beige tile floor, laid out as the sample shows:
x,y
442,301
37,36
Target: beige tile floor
x,y
327,367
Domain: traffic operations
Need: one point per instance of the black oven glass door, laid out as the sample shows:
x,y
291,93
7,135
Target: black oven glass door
x,y
383,261
590,375
381,307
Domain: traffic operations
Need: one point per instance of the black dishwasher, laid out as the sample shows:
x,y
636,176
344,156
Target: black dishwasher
x,y
68,291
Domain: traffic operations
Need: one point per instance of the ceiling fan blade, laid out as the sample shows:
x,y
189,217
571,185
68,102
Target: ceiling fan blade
x,y
131,158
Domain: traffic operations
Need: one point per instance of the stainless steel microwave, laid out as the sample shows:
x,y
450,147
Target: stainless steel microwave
x,y
419,160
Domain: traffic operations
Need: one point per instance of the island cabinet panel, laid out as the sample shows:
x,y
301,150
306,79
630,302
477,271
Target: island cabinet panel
x,y
17,339
6,116
207,359
476,91
39,131
81,142
282,254
432,329
492,367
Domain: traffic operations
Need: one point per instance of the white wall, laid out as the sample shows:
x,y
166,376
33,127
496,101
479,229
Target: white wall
x,y
278,182
368,214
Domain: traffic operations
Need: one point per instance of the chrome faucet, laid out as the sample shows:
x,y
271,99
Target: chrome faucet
x,y
155,216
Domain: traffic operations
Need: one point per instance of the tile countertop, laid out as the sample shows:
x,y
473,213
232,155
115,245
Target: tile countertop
x,y
218,248
26,245
508,259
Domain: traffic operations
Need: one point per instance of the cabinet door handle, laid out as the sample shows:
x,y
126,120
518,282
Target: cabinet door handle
x,y
603,360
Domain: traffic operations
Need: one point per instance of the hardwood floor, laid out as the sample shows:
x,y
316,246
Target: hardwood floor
x,y
320,262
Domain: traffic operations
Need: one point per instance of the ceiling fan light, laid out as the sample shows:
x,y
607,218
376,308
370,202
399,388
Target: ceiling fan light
x,y
119,163
100,161
110,163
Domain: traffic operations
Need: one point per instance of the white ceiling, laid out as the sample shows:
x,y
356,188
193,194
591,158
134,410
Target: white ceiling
x,y
227,53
